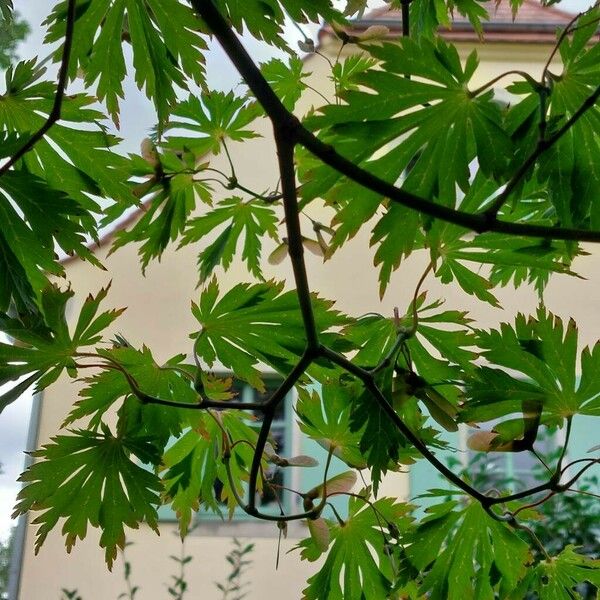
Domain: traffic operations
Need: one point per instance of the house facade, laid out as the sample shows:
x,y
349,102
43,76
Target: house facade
x,y
158,315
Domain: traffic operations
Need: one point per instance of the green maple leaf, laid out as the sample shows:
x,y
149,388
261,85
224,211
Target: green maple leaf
x,y
45,350
6,9
253,219
213,117
544,350
510,258
91,168
286,79
420,373
325,417
466,554
172,191
556,578
435,160
257,323
373,335
571,170
193,465
568,172
265,19
35,218
89,478
382,444
164,36
357,564
344,72
427,16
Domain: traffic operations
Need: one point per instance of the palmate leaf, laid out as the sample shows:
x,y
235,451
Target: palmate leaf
x,y
382,444
465,554
45,350
345,71
35,218
6,9
388,107
286,80
89,478
252,324
172,192
92,169
557,577
357,565
108,387
568,171
265,19
213,117
325,417
254,219
545,351
427,16
511,259
421,375
193,465
571,170
164,36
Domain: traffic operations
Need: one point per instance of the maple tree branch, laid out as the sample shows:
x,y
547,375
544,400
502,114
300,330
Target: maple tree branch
x,y
63,76
405,7
565,486
271,405
285,155
284,120
367,378
558,43
288,133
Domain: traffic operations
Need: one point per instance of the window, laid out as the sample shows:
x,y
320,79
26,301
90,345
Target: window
x,y
276,497
283,439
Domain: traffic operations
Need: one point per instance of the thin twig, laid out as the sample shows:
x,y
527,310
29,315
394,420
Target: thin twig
x,y
269,412
496,79
558,43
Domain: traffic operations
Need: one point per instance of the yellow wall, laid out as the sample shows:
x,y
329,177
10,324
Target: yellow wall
x,y
158,315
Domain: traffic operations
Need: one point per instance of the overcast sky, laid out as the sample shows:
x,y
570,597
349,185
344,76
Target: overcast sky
x,y
137,119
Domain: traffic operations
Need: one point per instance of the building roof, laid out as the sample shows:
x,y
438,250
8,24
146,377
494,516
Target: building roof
x,y
533,23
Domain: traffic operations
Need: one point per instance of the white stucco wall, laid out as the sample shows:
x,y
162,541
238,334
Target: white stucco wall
x,y
158,315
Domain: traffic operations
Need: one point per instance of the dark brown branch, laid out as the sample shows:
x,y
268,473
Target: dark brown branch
x,y
288,133
271,405
367,378
405,6
286,121
285,155
63,76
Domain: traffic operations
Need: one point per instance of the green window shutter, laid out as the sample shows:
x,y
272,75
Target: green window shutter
x,y
584,435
